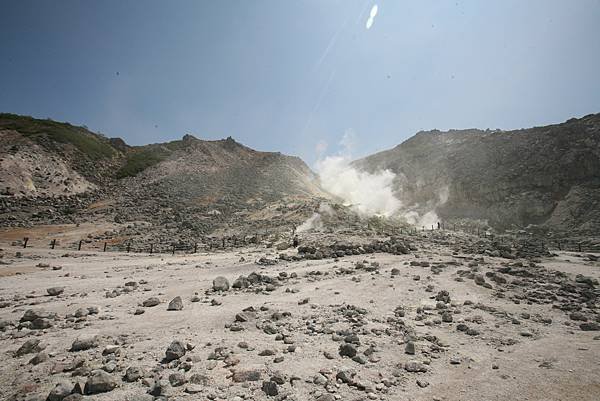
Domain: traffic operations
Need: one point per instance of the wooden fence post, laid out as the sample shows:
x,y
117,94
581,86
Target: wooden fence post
x,y
579,246
195,247
104,250
53,243
25,240
151,248
128,247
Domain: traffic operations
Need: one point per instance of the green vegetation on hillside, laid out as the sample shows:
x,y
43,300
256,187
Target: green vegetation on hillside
x,y
141,160
146,156
35,129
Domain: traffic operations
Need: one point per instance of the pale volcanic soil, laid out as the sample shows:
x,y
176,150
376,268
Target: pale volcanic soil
x,y
290,343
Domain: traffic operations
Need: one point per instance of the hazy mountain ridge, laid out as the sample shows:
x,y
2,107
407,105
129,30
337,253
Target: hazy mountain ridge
x,y
543,175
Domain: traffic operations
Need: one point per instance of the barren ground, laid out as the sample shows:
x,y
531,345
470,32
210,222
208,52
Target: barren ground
x,y
521,351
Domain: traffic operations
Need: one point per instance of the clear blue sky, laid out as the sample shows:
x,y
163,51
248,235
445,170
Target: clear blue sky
x,y
284,75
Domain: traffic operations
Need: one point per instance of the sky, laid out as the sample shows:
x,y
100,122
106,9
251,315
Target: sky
x,y
306,78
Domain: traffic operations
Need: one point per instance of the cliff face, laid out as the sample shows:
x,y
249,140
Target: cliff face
x,y
543,175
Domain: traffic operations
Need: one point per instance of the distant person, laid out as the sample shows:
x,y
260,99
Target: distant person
x,y
438,225
295,242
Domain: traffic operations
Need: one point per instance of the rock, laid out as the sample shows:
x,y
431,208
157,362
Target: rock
x,y
99,382
414,366
109,366
360,359
199,379
240,376
590,326
85,343
320,380
270,388
241,282
150,302
345,376
348,350
133,373
31,315
40,324
54,291
409,348
60,391
578,316
220,284
175,304
447,317
175,351
422,383
110,349
193,388
177,379
39,358
159,388
30,346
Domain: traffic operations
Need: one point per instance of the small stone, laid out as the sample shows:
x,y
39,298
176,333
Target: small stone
x,y
590,326
150,302
409,348
175,351
54,291
133,373
422,383
85,343
220,284
110,349
29,346
177,379
240,376
193,388
360,359
414,366
175,304
270,388
39,358
347,350
60,391
99,382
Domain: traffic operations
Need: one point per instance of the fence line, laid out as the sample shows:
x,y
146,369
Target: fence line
x,y
215,243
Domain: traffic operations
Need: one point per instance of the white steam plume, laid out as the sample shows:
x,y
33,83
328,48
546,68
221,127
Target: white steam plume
x,y
315,222
368,194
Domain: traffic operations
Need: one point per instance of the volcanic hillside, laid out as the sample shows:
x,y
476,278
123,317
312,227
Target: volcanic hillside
x,y
56,173
546,176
